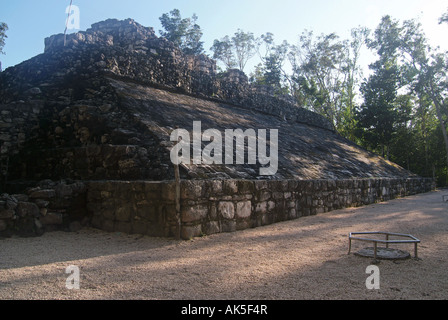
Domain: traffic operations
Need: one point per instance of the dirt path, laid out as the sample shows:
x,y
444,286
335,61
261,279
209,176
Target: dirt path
x,y
302,259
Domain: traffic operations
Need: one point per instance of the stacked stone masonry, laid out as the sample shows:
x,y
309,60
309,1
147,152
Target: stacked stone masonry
x,y
206,206
48,206
216,206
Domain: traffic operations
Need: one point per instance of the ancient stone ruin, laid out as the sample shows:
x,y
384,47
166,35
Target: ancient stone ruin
x,y
85,140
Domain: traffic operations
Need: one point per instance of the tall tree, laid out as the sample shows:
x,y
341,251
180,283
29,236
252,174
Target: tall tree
x,y
352,77
185,33
3,36
223,51
317,65
271,71
235,51
426,72
378,116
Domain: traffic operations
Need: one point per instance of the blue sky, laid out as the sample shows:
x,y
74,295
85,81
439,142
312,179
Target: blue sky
x,y
31,21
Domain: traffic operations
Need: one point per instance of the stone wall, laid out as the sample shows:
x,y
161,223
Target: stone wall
x,y
215,206
206,206
133,207
48,206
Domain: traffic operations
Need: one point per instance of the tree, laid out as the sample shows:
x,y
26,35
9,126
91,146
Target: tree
x,y
352,77
235,51
3,36
245,45
184,33
317,73
426,72
377,117
223,51
270,71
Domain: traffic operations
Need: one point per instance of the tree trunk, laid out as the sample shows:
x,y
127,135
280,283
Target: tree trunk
x,y
442,125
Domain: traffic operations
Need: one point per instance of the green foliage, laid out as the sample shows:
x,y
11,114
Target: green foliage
x,y
223,51
318,74
3,36
185,33
235,51
270,72
245,46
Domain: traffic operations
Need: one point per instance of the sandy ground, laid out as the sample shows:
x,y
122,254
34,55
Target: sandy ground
x,y
305,259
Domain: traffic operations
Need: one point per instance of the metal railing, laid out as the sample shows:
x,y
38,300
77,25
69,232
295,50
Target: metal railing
x,y
387,241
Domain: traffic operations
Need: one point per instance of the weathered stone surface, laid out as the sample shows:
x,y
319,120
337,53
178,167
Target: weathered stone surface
x,y
25,209
43,194
7,214
261,207
3,225
123,213
226,209
212,227
52,218
244,209
189,232
194,213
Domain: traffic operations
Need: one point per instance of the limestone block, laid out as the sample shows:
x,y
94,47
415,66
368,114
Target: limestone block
x,y
191,190
263,195
214,187
277,195
243,224
7,214
245,187
228,226
261,207
52,218
123,214
43,194
244,209
41,203
169,191
226,209
292,214
27,209
194,213
189,232
230,187
212,227
261,185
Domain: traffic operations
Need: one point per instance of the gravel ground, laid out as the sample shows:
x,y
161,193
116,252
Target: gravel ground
x,y
304,259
